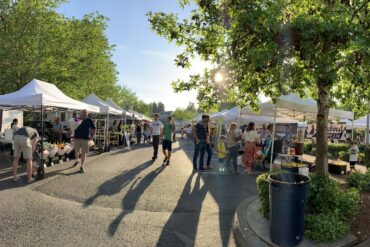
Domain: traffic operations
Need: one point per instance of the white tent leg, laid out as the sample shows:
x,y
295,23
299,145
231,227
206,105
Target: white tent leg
x,y
273,139
352,130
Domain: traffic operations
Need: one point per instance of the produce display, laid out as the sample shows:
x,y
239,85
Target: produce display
x,y
294,165
52,150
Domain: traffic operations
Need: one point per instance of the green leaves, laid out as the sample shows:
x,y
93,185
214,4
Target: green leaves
x,y
254,39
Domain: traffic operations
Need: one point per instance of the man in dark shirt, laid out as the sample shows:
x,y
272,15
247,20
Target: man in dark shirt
x,y
83,134
25,140
200,138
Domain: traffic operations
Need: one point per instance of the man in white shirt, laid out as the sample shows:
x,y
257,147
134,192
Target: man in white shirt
x,y
156,127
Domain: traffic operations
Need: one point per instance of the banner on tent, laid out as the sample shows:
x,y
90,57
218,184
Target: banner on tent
x,y
287,130
335,132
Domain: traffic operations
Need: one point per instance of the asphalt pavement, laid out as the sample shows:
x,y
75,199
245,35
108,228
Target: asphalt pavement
x,y
123,199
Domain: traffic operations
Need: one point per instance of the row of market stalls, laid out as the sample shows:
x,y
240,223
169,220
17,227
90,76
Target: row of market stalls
x,y
46,98
287,110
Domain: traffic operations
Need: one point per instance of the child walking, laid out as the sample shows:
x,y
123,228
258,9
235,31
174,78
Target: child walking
x,y
221,153
353,156
232,147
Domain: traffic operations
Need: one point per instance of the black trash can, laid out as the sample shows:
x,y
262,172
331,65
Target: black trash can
x,y
288,196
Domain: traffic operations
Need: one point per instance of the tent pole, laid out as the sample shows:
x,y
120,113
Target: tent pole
x,y
352,130
273,139
239,111
42,139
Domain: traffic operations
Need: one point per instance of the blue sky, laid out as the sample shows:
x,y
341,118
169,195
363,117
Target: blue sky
x,y
144,60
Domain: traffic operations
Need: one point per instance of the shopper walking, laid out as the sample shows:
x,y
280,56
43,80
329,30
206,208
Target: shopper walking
x,y
138,132
25,140
200,138
232,147
156,127
83,134
167,131
251,138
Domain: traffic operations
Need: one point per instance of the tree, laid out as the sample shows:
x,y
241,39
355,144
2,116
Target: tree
x,y
161,107
273,47
37,42
183,114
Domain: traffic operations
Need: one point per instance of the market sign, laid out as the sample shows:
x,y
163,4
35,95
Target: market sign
x,y
335,132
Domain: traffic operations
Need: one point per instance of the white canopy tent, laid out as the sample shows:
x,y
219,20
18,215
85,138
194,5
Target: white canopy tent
x,y
292,106
42,96
233,115
38,94
104,108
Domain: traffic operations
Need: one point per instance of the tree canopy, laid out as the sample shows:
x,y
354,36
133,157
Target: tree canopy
x,y
38,42
274,48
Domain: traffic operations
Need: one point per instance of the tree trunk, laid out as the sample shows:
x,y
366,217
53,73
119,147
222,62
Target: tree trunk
x,y
322,129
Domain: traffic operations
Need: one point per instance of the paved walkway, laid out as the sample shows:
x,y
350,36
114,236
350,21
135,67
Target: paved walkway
x,y
122,200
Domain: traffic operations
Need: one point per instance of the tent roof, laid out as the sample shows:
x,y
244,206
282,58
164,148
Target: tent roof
x,y
39,93
104,107
292,106
115,106
231,115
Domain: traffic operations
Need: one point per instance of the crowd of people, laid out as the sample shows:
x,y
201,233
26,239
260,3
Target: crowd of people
x,y
245,141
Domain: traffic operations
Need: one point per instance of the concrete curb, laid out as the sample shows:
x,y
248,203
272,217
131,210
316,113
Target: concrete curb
x,y
251,229
243,233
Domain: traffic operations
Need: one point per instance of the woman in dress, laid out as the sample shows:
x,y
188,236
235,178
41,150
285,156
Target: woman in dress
x,y
251,138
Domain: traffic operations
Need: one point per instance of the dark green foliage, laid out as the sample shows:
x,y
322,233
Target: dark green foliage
x,y
325,227
263,193
359,180
367,157
308,147
330,210
334,149
343,155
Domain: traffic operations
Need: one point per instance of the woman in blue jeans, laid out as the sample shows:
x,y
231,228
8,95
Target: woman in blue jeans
x,y
232,147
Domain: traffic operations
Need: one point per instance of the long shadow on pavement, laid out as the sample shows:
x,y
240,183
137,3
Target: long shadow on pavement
x,y
227,190
116,184
132,197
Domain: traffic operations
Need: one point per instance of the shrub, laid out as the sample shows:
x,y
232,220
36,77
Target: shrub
x,y
308,147
359,180
343,155
263,194
325,227
330,210
334,149
367,157
313,151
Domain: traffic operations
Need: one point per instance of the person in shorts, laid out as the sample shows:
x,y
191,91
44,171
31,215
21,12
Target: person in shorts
x,y
83,134
167,131
353,156
25,140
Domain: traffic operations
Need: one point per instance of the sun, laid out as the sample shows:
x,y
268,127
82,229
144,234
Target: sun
x,y
219,77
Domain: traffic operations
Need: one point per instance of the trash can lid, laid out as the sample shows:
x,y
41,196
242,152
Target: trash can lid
x,y
289,178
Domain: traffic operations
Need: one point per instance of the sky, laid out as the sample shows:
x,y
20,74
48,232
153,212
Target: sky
x,y
145,61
